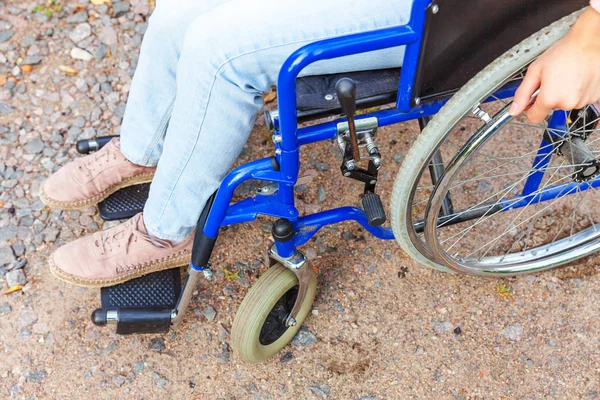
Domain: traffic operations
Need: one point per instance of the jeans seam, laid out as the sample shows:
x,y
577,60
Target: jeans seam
x,y
159,132
145,160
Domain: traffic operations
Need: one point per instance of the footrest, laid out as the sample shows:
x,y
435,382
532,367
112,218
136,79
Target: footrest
x,y
142,305
124,203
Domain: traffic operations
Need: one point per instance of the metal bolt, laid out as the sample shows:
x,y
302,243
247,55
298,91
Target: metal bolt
x,y
347,174
278,151
373,182
435,8
208,274
482,115
290,321
417,100
328,97
350,164
277,138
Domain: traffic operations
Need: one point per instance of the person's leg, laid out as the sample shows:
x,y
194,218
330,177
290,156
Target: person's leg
x,y
131,159
230,56
153,88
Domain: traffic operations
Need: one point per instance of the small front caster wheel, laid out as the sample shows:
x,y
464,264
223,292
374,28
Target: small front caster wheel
x,y
259,329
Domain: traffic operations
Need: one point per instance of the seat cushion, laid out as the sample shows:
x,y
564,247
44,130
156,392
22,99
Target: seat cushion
x,y
316,96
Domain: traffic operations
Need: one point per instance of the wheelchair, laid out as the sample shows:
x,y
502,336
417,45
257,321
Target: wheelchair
x,y
480,192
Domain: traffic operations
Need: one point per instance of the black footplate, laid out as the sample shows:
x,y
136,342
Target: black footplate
x,y
124,203
142,305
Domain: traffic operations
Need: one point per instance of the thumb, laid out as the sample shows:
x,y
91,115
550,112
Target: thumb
x,y
522,98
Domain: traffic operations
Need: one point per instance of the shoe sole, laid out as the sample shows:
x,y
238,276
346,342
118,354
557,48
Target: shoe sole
x,y
75,205
178,260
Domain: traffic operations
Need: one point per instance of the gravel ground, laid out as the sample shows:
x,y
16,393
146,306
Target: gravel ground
x,y
382,326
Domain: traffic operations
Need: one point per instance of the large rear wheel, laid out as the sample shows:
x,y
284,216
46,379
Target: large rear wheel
x,y
450,130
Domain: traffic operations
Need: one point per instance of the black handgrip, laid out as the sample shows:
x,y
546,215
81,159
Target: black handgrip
x,y
87,146
203,245
346,93
143,320
373,207
136,320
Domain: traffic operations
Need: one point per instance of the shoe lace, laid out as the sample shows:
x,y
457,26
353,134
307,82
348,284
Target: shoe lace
x,y
110,242
94,162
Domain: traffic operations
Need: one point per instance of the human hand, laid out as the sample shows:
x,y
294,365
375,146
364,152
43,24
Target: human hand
x,y
567,74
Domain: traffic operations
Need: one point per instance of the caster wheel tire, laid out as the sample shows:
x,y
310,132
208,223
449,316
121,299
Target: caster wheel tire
x,y
259,331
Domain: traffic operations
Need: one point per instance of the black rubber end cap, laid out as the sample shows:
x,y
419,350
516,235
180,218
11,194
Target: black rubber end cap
x,y
374,210
83,147
283,230
99,317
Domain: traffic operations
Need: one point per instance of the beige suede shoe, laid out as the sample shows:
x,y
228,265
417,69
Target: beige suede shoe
x,y
117,255
89,180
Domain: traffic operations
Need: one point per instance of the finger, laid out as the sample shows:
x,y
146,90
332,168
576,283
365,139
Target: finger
x,y
522,97
539,110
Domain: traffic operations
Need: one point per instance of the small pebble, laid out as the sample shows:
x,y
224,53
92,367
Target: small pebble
x,y
320,391
6,35
80,32
157,344
37,376
31,60
304,338
138,367
7,256
159,380
513,332
223,333
80,54
209,313
15,278
120,8
5,308
286,357
443,327
108,36
321,194
119,380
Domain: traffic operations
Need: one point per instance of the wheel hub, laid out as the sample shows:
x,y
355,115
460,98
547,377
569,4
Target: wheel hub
x,y
581,125
275,324
580,156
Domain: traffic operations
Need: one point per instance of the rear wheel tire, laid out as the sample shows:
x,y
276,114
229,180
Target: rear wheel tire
x,y
406,208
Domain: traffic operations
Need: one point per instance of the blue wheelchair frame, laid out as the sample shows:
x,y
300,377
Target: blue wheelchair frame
x,y
281,203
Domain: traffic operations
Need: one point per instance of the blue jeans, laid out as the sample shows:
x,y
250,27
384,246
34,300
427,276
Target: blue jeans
x,y
203,68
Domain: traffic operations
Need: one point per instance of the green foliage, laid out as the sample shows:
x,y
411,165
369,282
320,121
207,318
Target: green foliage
x,y
49,8
267,135
504,289
230,276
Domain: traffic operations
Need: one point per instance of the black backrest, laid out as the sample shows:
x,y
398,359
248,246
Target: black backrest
x,y
464,36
